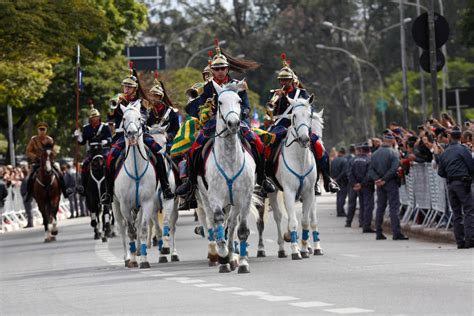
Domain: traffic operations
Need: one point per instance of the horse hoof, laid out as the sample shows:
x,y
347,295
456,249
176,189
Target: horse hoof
x,y
93,223
144,265
96,236
155,242
243,269
53,238
225,268
54,232
304,254
132,264
174,258
104,239
46,240
127,262
224,260
287,237
318,252
165,251
112,235
163,259
296,256
213,263
233,265
282,254
261,254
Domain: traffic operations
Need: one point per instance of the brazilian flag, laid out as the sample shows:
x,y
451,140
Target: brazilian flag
x,y
185,137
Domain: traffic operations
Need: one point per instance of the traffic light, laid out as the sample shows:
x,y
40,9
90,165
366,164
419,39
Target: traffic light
x,y
421,36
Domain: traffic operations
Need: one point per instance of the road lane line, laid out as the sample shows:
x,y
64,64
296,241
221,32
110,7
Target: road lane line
x,y
310,304
252,293
276,298
438,264
349,310
191,281
177,279
208,285
163,275
227,289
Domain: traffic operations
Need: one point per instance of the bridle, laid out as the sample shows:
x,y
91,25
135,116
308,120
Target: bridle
x,y
295,129
140,132
224,118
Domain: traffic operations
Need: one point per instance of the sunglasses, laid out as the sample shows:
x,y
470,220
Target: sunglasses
x,y
219,68
42,129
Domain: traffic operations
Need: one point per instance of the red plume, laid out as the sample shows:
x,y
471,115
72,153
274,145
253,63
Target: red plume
x,y
209,53
283,56
156,74
288,62
130,64
216,41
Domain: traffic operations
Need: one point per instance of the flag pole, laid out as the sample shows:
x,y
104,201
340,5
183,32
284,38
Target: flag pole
x,y
78,89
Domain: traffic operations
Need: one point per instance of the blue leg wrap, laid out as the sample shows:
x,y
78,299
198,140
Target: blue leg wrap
x,y
294,237
305,234
210,232
315,236
133,248
243,248
160,245
220,232
143,250
166,231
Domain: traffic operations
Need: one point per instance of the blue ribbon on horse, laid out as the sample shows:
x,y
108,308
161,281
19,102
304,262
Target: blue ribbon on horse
x,y
136,178
300,177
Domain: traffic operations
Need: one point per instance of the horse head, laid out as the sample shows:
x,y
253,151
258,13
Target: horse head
x,y
301,118
46,160
229,103
132,122
158,131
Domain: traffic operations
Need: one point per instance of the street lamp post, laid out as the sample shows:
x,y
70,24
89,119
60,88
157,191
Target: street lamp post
x,y
361,84
221,43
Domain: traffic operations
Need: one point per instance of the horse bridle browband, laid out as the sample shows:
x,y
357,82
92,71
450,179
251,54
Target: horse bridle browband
x,y
296,129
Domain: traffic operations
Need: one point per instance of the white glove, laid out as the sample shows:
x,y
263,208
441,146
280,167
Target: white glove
x,y
104,142
77,133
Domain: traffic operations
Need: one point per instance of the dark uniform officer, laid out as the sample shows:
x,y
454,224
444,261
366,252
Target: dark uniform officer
x,y
383,170
363,185
352,195
457,166
339,174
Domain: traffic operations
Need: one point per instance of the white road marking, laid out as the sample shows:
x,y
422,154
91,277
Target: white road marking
x,y
163,275
252,293
310,304
276,298
208,285
191,281
177,279
350,255
227,289
269,240
348,310
438,264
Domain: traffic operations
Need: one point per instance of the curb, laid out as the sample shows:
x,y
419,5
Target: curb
x,y
420,232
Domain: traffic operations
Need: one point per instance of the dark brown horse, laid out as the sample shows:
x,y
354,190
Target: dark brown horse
x,y
47,193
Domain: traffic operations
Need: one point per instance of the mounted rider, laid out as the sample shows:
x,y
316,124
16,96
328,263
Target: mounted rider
x,y
34,150
94,132
207,101
161,111
278,108
132,92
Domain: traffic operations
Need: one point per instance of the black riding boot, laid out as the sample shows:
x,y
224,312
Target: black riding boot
x,y
107,197
193,167
62,184
262,180
329,184
162,176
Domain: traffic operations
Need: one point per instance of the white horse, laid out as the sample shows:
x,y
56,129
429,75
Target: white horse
x,y
230,174
297,174
135,189
168,208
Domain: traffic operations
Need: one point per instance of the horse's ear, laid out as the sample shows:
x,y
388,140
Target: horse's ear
x,y
165,127
137,104
311,99
291,101
123,108
242,85
216,87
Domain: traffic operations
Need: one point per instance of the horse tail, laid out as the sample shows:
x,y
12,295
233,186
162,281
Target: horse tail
x,y
281,202
255,202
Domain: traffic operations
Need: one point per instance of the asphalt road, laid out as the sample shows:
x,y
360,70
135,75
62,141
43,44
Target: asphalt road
x,y
357,275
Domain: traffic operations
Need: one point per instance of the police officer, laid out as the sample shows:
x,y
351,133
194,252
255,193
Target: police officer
x,y
363,185
383,171
94,132
339,174
457,166
352,195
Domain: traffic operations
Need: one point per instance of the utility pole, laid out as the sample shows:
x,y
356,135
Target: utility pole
x,y
424,108
434,83
404,67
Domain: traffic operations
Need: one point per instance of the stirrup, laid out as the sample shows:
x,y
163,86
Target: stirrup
x,y
106,199
268,186
184,188
333,187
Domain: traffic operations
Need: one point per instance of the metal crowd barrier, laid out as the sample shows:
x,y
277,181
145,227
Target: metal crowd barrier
x,y
425,196
13,214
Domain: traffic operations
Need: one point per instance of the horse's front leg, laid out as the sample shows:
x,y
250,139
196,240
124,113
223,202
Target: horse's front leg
x,y
47,234
132,235
207,220
231,225
308,198
147,211
173,220
166,210
277,215
292,223
314,227
243,233
261,227
121,228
